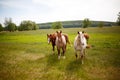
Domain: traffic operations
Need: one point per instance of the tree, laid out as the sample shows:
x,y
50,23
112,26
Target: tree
x,y
57,25
86,23
1,28
7,21
35,27
9,25
100,24
118,19
27,25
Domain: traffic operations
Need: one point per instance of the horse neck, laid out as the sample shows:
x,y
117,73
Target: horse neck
x,y
59,38
53,38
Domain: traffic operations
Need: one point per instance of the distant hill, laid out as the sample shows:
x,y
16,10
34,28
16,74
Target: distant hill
x,y
74,24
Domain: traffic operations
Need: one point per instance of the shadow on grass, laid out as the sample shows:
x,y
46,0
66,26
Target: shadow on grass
x,y
74,66
52,60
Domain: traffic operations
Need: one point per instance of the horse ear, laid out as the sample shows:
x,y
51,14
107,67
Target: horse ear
x,y
60,31
83,31
47,35
78,32
56,31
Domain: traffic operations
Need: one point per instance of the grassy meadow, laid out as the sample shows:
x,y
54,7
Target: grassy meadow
x,y
26,55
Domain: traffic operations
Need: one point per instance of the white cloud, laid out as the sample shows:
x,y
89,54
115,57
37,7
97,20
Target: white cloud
x,y
58,10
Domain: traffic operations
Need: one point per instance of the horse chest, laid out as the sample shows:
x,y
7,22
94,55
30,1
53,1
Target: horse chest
x,y
78,47
60,42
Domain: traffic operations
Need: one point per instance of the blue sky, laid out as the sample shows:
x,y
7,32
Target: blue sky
x,y
42,11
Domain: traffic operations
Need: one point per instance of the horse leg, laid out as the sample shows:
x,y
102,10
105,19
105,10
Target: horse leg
x,y
64,49
58,53
76,54
84,52
53,48
82,55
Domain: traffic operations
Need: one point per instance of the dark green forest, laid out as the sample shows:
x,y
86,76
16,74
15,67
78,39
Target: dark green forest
x,y
75,24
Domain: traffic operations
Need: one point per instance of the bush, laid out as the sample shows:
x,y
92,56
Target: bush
x,y
118,19
1,28
11,27
57,25
100,24
86,23
27,25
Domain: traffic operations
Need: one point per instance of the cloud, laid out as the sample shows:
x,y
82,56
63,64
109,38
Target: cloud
x,y
59,10
13,4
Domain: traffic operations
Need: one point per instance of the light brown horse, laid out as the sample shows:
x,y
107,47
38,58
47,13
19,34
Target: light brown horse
x,y
52,38
61,43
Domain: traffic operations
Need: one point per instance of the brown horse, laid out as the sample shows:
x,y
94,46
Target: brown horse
x,y
61,42
52,38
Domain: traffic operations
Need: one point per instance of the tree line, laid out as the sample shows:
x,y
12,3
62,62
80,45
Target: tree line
x,y
84,24
24,25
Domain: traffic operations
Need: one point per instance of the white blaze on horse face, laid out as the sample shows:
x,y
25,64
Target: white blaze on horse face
x,y
81,37
48,40
83,40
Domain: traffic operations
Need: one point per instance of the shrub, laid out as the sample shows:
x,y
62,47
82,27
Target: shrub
x,y
57,25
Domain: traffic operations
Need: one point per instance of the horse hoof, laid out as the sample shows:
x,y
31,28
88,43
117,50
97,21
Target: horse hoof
x,y
58,57
70,45
82,62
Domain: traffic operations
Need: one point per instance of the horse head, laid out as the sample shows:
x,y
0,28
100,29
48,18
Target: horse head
x,y
81,37
59,36
49,36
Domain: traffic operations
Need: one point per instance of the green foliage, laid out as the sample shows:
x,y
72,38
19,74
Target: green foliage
x,y
9,25
100,24
35,26
75,24
27,25
57,25
7,21
86,23
118,20
1,27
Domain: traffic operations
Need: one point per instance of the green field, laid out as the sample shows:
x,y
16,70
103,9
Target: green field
x,y
26,55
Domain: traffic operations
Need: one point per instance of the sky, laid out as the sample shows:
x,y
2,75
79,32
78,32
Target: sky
x,y
42,11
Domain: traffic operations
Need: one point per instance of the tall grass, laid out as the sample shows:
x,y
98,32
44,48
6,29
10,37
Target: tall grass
x,y
26,55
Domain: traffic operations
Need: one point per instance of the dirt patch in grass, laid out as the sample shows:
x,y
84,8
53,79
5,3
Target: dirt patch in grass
x,y
32,56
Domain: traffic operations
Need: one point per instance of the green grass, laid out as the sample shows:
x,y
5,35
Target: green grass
x,y
26,55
